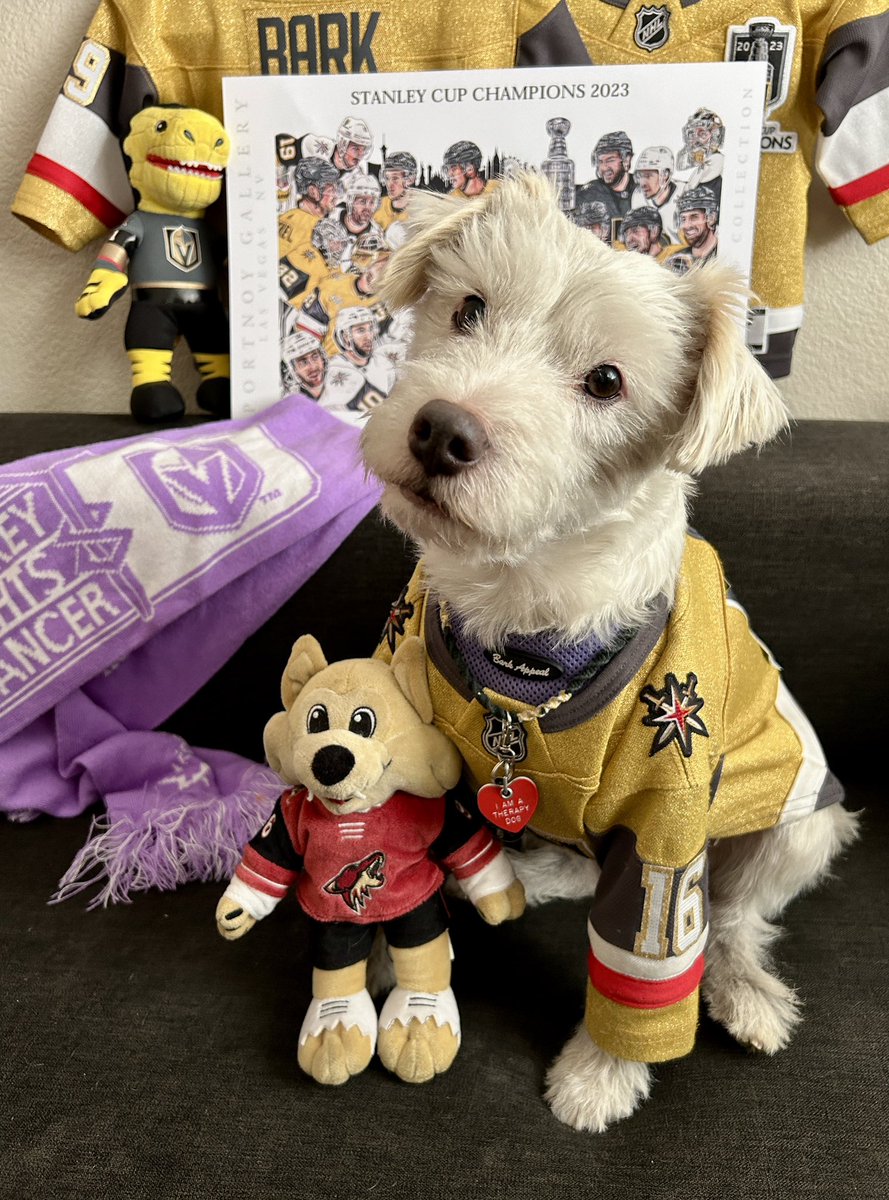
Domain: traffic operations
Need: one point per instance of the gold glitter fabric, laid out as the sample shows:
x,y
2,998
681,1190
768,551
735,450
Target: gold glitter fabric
x,y
178,51
687,734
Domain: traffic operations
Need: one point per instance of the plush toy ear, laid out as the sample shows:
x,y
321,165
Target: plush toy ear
x,y
735,404
434,220
306,659
275,740
409,669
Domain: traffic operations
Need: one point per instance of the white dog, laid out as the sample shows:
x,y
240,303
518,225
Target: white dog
x,y
539,448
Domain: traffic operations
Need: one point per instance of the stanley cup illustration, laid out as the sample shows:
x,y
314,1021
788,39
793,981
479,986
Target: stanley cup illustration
x,y
557,166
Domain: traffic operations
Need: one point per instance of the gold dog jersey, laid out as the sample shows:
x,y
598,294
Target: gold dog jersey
x,y
827,110
139,52
686,735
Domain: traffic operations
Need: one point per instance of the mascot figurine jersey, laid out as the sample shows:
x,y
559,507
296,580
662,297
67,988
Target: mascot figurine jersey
x,y
162,251
365,835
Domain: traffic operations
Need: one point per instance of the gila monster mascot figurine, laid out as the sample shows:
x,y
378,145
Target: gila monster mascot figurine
x,y
365,834
162,251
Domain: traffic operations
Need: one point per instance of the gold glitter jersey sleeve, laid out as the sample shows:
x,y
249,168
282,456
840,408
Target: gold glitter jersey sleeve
x,y
139,52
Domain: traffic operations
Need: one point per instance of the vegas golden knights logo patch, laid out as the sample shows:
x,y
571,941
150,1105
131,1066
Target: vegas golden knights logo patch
x,y
673,711
182,247
652,30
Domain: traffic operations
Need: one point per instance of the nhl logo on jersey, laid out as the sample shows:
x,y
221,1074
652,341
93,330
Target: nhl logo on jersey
x,y
673,711
763,39
182,247
652,27
504,740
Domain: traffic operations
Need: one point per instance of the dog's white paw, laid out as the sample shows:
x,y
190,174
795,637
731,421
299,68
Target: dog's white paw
x,y
757,1009
589,1089
554,873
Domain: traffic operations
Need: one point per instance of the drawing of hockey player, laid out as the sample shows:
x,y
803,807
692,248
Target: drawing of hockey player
x,y
318,185
359,377
642,232
346,289
303,365
557,167
463,167
656,188
347,151
701,159
614,184
361,199
593,215
699,225
399,174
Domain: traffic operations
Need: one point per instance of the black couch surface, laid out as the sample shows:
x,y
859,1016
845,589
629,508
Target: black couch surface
x,y
143,1056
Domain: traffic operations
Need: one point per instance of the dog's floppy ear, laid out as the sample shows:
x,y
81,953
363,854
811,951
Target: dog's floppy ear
x,y
409,669
306,659
734,403
433,220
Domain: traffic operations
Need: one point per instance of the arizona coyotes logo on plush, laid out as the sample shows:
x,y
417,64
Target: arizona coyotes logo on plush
x,y
357,881
673,712
652,27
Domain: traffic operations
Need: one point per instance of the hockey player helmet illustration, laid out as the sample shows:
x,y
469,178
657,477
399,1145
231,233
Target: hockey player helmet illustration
x,y
331,239
641,230
653,169
354,142
612,156
355,330
698,214
702,135
361,193
462,166
303,363
318,179
593,215
399,173
369,248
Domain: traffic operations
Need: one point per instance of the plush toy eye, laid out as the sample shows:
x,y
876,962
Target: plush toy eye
x,y
603,382
469,312
363,722
160,127
317,720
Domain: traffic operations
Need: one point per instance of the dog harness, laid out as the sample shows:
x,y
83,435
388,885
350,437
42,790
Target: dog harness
x,y
686,735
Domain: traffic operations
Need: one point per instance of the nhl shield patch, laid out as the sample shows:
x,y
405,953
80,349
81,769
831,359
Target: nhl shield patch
x,y
503,739
674,711
182,247
652,30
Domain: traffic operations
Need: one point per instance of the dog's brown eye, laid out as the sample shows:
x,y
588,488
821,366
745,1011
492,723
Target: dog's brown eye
x,y
603,382
468,313
317,720
363,722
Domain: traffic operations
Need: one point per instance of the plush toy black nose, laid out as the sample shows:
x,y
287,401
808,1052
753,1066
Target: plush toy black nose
x,y
332,764
446,439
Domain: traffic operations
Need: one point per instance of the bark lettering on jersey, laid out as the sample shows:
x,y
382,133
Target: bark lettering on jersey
x,y
322,44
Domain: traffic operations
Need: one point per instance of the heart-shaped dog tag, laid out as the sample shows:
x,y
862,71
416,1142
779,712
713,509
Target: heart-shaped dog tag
x,y
511,807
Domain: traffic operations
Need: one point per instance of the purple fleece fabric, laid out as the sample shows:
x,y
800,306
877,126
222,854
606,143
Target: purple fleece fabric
x,y
129,572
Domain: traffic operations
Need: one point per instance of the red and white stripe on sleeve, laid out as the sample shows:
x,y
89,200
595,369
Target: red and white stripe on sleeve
x,y
852,152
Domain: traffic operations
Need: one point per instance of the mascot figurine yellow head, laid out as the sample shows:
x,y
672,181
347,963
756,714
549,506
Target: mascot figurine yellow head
x,y
163,252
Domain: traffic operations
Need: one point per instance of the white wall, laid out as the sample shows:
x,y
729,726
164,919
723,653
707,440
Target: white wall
x,y
52,361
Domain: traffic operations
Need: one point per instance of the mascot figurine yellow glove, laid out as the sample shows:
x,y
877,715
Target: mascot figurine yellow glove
x,y
365,836
163,253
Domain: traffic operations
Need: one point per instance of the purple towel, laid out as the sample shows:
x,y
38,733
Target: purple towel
x,y
129,572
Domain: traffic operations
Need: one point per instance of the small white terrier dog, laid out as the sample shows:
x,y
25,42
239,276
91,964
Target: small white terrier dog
x,y
539,448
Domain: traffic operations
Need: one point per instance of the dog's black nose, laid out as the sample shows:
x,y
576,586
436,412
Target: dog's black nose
x,y
446,439
332,764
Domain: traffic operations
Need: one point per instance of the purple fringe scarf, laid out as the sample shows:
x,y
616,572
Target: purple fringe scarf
x,y
130,571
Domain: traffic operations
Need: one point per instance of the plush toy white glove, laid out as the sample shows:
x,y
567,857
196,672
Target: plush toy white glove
x,y
240,908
